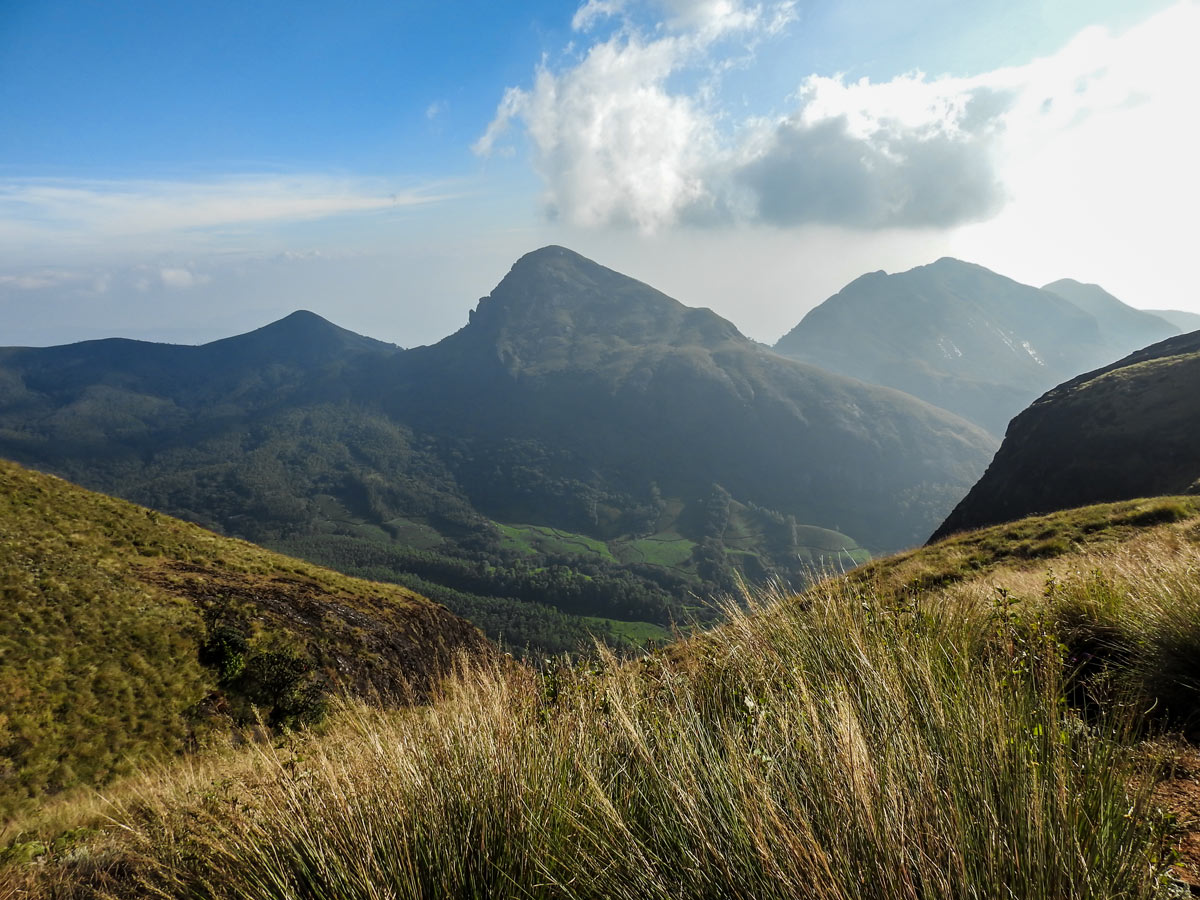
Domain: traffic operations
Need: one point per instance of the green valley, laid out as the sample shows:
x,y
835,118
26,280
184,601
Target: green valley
x,y
585,449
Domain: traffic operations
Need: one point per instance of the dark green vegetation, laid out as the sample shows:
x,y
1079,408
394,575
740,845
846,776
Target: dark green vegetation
x,y
998,732
1128,430
966,339
125,633
586,448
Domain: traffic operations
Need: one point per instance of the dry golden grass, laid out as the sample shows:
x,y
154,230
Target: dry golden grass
x,y
984,739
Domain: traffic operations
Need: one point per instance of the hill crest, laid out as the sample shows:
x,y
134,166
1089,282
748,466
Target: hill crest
x,y
301,336
126,633
1122,431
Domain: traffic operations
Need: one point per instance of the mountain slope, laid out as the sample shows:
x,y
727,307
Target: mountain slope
x,y
586,448
622,387
1123,327
297,353
958,336
1184,321
1127,430
124,633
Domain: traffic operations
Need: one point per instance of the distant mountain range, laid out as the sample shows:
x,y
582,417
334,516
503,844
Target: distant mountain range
x,y
967,339
1184,321
632,388
1130,429
585,450
1122,328
587,456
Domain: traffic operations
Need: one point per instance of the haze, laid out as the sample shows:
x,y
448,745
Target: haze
x,y
183,172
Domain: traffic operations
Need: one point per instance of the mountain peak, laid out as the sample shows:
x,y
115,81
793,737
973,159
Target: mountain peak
x,y
1069,282
550,253
950,265
953,333
302,337
303,318
301,324
1135,327
554,299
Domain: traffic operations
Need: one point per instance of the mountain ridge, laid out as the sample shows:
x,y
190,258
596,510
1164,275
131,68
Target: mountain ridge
x,y
539,374
1184,321
671,455
1121,431
1135,326
961,337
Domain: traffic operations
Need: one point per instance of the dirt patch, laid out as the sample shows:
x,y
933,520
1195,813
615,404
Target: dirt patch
x,y
389,646
1179,794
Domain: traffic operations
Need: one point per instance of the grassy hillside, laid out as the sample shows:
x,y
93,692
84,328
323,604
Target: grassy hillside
x,y
125,633
1015,729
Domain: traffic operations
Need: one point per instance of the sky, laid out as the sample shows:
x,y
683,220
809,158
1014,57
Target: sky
x,y
184,171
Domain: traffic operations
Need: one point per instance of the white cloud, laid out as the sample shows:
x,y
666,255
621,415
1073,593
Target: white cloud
x,y
705,18
712,18
622,135
512,106
179,277
612,144
594,11
906,153
612,141
40,279
82,210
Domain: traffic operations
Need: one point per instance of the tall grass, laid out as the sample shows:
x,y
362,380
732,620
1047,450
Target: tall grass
x,y
825,747
1130,616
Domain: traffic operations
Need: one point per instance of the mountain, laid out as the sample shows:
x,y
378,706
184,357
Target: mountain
x,y
963,337
585,453
300,354
1127,430
623,388
125,634
1184,321
1124,327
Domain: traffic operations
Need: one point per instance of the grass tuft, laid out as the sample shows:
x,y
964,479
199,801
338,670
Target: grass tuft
x,y
832,746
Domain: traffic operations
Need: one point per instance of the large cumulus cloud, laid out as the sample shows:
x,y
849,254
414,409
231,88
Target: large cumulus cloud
x,y
610,142
937,172
634,130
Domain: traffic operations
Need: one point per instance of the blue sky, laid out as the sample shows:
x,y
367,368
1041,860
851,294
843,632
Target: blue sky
x,y
182,171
